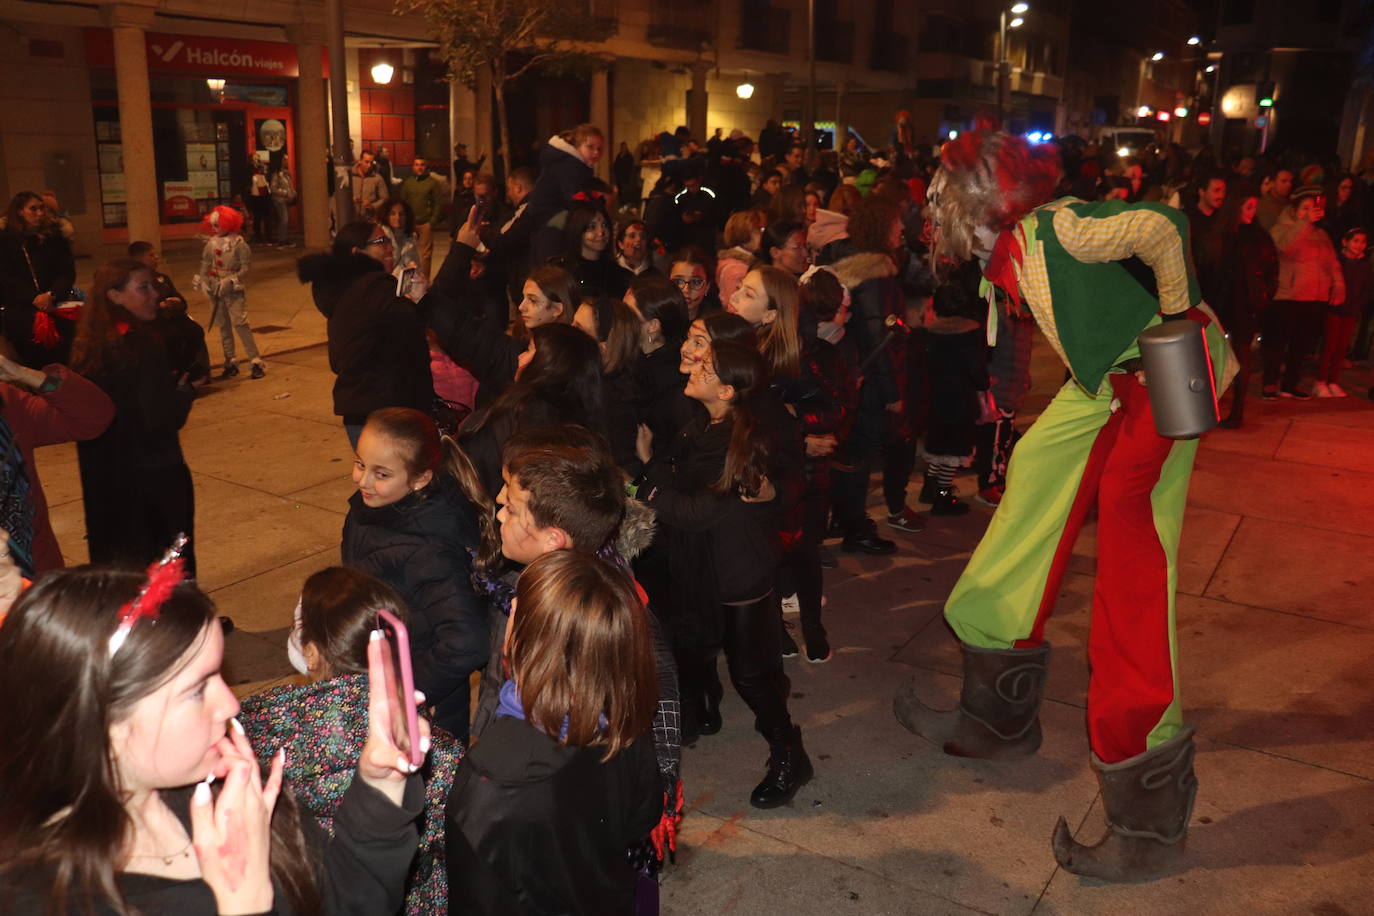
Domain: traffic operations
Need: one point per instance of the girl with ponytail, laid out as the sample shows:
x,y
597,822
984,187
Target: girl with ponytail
x,y
415,525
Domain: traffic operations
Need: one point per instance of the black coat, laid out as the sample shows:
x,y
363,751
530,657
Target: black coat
x,y
377,346
419,546
533,828
663,406
30,265
136,488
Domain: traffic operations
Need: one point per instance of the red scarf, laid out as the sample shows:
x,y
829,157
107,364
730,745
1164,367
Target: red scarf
x,y
1000,270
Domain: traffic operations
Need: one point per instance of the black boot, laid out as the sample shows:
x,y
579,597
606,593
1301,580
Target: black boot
x,y
1149,800
999,706
944,502
788,770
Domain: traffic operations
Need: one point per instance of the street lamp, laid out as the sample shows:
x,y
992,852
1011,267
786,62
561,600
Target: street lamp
x,y
382,73
745,90
1018,10
1195,40
1157,56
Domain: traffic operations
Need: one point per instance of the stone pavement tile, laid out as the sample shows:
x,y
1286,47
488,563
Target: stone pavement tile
x,y
1268,836
332,494
1260,436
1298,569
277,454
308,393
886,801
316,357
1329,498
57,468
207,409
1313,441
266,601
1286,685
239,531
723,867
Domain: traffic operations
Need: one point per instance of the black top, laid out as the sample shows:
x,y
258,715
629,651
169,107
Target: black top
x,y
534,828
419,546
377,346
362,868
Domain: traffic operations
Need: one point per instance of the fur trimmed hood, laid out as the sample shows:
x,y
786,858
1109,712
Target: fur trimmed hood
x,y
828,227
636,529
864,266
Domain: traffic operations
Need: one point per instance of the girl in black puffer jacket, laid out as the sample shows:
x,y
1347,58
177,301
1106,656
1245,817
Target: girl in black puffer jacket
x,y
410,526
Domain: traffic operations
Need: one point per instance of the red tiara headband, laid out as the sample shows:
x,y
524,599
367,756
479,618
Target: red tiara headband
x,y
163,576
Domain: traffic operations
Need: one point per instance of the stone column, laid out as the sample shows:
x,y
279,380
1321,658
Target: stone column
x,y
312,133
600,115
841,114
129,24
484,109
696,113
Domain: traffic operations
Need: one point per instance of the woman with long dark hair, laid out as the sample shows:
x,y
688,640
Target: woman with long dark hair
x,y
135,486
559,381
129,786
588,254
37,272
712,491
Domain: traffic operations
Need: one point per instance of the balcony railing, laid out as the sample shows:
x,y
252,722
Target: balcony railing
x,y
768,29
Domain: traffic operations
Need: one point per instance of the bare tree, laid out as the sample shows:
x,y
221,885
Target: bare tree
x,y
509,38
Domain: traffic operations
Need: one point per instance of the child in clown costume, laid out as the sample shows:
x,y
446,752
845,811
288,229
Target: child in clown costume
x,y
224,265
1094,275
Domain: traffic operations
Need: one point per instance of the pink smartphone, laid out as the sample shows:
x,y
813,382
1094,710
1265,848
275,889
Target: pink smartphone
x,y
400,686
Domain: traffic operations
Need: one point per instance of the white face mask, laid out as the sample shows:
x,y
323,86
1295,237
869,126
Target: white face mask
x,y
294,650
985,240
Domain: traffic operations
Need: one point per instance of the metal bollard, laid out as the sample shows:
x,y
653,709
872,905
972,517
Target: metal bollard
x,y
1178,375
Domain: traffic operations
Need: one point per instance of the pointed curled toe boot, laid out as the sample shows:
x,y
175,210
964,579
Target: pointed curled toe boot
x,y
998,716
788,770
1149,800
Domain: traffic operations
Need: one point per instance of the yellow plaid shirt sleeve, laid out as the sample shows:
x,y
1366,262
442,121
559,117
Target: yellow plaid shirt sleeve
x,y
1143,233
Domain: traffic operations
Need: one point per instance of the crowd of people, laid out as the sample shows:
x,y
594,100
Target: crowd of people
x,y
603,444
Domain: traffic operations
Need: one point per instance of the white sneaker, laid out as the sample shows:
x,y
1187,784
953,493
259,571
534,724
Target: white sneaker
x,y
790,604
1321,390
1336,390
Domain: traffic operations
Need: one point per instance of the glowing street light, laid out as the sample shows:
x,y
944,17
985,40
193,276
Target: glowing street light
x,y
1020,8
745,90
1016,23
1157,56
382,73
1195,41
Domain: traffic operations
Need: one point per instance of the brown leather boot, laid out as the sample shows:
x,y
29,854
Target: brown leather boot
x,y
998,716
1149,800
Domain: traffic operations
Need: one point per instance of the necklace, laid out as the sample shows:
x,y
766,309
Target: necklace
x,y
168,860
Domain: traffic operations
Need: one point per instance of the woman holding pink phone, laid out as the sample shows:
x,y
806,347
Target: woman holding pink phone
x,y
130,786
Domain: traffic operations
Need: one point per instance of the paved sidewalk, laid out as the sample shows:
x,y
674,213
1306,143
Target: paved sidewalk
x,y
1275,631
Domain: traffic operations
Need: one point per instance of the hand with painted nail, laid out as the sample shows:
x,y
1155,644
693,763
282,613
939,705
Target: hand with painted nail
x,y
232,834
382,765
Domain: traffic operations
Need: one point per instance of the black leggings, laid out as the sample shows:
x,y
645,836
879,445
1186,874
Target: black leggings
x,y
753,654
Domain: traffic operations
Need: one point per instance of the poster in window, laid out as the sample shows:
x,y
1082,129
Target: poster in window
x,y
200,157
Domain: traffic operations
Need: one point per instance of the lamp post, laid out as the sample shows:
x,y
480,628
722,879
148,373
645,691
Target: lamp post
x,y
1003,65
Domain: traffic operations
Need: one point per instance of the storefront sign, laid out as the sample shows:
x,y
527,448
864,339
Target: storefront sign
x,y
178,200
201,55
